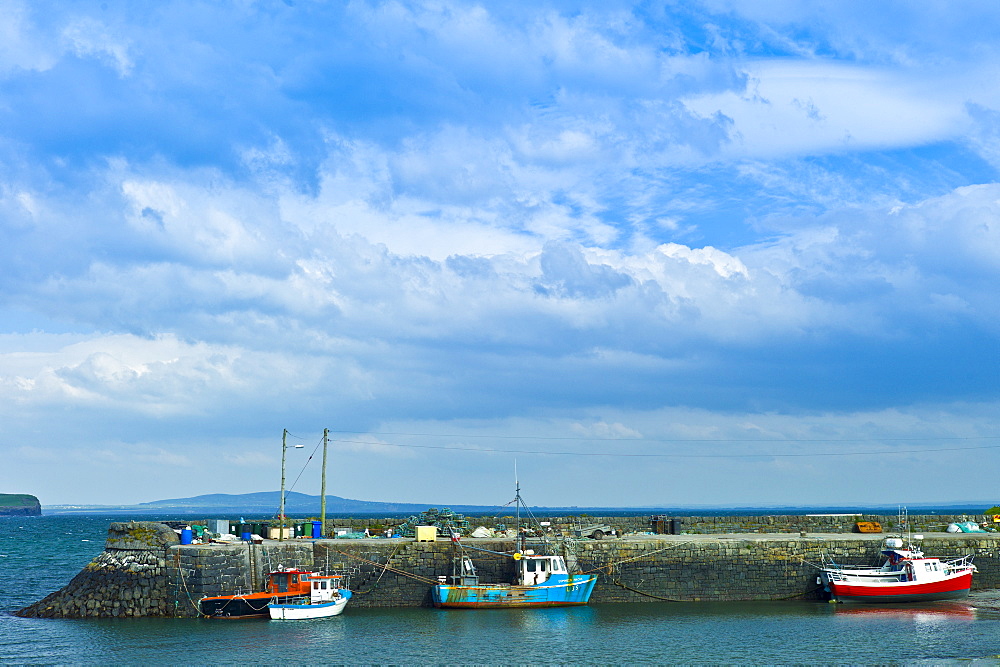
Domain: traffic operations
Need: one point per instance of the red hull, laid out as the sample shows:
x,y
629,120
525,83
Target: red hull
x,y
907,591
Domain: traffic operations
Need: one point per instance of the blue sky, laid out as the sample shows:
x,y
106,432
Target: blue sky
x,y
691,253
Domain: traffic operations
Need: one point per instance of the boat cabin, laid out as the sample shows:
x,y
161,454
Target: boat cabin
x,y
289,581
910,565
539,569
324,588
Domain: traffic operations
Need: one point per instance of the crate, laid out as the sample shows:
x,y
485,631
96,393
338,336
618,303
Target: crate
x,y
426,533
868,527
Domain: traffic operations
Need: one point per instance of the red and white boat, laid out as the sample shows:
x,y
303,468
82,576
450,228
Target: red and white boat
x,y
906,576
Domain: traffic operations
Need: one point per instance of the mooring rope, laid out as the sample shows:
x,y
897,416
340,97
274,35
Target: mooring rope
x,y
666,599
380,574
610,566
394,570
187,591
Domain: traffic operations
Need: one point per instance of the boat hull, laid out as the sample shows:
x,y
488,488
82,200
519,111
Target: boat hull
x,y
301,612
951,588
243,606
573,591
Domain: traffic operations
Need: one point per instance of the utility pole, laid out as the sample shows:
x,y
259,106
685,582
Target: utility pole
x,y
322,491
284,446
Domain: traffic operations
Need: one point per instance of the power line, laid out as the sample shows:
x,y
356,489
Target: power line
x,y
670,440
669,455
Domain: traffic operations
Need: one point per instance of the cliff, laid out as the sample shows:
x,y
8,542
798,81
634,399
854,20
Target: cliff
x,y
19,504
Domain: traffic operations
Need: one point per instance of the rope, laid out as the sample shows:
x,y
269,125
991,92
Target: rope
x,y
616,563
432,582
384,568
649,595
488,551
666,599
187,591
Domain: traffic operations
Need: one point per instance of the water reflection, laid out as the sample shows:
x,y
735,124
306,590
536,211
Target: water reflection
x,y
922,613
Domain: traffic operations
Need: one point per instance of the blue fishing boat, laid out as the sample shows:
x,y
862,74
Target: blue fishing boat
x,y
540,581
543,581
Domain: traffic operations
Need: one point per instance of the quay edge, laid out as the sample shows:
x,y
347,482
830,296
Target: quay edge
x,y
145,572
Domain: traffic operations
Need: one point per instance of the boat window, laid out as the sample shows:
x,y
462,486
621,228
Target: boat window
x,y
531,565
324,585
544,564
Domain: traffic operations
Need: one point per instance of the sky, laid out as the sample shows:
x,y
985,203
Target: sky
x,y
631,254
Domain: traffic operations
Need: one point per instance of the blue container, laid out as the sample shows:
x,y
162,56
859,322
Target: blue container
x,y
187,535
317,529
245,536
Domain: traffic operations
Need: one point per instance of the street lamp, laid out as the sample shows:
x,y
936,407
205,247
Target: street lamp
x,y
284,447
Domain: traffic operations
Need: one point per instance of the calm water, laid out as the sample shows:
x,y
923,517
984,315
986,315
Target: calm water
x,y
40,555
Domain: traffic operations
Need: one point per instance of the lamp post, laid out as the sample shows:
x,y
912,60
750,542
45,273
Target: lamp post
x,y
284,447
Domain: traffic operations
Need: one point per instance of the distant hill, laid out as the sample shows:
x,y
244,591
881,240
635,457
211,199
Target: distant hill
x,y
266,503
301,503
295,503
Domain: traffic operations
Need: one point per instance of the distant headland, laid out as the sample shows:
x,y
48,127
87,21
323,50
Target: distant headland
x,y
19,504
266,503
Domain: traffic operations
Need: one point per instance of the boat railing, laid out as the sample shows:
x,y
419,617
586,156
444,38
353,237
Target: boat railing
x,y
958,564
872,575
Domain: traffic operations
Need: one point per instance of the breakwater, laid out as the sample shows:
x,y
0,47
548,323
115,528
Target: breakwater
x,y
144,571
703,525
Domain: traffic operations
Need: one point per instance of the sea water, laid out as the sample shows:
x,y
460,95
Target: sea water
x,y
39,555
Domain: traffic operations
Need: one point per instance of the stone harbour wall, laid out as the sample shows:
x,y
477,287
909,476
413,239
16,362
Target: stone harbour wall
x,y
749,568
722,525
145,572
700,525
131,577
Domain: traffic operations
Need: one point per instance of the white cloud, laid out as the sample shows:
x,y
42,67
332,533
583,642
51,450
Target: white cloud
x,y
87,37
575,221
22,45
804,107
217,227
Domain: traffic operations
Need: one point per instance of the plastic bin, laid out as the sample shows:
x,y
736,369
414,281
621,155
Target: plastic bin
x,y
426,533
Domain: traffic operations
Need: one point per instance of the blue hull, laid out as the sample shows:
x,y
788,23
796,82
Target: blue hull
x,y
558,591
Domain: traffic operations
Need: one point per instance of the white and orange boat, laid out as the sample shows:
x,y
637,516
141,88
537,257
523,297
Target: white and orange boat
x,y
326,599
284,586
906,576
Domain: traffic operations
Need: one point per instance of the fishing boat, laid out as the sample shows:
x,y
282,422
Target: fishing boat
x,y
905,576
540,580
326,598
284,586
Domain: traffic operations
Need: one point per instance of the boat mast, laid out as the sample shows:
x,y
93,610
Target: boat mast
x,y
322,492
521,541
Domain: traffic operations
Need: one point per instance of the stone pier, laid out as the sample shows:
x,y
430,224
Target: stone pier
x,y
144,571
